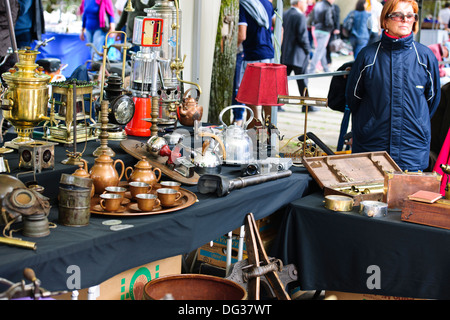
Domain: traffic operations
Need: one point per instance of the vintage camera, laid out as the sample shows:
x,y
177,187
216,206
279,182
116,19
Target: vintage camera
x,y
263,166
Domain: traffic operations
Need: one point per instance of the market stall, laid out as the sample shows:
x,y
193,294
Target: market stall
x,y
101,252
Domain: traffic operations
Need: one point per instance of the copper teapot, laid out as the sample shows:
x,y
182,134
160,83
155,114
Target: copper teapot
x,y
104,174
189,110
143,172
82,172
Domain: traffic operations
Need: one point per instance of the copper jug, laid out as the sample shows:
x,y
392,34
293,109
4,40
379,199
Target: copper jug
x,y
143,172
104,174
189,111
82,172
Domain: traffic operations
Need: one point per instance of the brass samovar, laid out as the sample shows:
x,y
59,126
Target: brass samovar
x,y
25,99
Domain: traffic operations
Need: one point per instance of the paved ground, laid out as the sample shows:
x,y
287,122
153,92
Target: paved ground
x,y
325,124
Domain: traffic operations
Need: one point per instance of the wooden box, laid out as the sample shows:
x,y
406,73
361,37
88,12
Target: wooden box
x,y
359,175
399,185
432,214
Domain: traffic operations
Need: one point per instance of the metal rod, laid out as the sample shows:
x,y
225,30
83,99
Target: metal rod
x,y
318,75
12,35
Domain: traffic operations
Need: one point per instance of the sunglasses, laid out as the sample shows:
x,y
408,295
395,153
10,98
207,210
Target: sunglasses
x,y
398,16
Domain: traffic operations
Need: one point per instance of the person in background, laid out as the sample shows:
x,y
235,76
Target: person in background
x,y
375,12
30,23
295,46
441,51
127,18
309,9
5,39
393,90
444,16
360,33
335,34
322,24
254,33
94,14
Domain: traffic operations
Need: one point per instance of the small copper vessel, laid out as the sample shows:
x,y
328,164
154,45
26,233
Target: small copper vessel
x,y
82,172
143,172
104,174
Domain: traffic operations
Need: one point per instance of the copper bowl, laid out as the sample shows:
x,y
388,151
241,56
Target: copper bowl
x,y
193,287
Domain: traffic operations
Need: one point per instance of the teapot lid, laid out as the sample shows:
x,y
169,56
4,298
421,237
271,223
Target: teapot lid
x,y
103,157
143,164
81,172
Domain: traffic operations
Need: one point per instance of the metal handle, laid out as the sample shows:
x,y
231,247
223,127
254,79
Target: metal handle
x,y
235,107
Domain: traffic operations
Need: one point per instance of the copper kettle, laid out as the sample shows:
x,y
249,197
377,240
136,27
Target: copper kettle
x,y
189,110
104,174
82,172
143,172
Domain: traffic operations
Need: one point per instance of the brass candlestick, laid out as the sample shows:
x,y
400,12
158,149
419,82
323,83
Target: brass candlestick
x,y
104,132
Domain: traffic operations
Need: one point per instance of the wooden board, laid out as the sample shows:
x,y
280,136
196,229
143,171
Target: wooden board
x,y
138,150
431,214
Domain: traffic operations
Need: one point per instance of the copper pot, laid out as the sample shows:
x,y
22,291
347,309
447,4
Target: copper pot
x,y
189,111
104,174
82,172
143,172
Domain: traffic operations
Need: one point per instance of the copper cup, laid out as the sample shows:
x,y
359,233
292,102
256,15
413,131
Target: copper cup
x,y
147,201
168,196
137,187
116,190
110,201
170,184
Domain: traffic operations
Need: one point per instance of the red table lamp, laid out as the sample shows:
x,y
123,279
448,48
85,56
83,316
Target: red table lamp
x,y
262,83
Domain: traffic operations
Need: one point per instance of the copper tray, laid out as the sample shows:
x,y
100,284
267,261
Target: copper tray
x,y
130,209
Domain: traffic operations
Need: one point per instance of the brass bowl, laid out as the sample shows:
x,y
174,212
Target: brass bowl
x,y
338,203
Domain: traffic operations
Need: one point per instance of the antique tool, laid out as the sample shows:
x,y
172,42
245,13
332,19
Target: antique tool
x,y
237,142
446,169
373,209
260,264
24,101
7,184
238,273
22,290
37,155
34,209
222,186
307,102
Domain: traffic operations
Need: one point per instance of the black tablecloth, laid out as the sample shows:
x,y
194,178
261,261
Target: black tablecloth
x,y
335,251
101,253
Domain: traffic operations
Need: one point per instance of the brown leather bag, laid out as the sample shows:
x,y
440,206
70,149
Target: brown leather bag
x,y
189,110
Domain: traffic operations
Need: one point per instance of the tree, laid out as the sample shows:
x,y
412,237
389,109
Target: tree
x,y
224,62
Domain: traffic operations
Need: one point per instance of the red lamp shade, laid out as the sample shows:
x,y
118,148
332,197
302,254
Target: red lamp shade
x,y
262,83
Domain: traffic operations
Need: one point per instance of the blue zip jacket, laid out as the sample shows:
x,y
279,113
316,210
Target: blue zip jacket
x,y
393,90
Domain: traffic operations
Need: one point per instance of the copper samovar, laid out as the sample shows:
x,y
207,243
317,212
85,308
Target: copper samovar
x,y
25,99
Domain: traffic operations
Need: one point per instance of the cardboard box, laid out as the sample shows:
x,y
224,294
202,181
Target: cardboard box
x,y
338,295
129,285
216,255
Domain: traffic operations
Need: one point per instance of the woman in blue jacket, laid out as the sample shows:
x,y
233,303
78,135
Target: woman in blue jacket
x,y
393,90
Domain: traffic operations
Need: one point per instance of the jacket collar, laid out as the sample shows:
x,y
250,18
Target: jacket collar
x,y
397,43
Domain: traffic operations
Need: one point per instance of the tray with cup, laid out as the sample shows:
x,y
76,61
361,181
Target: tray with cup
x,y
138,198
